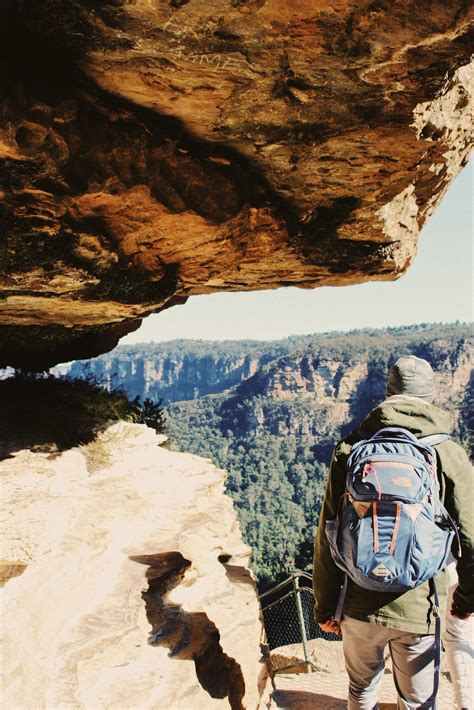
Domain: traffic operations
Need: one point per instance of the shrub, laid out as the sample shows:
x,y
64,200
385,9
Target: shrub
x,y
147,412
41,410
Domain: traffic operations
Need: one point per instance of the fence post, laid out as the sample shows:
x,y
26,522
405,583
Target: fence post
x,y
299,610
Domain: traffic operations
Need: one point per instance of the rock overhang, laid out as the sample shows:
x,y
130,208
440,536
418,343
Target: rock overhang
x,y
151,153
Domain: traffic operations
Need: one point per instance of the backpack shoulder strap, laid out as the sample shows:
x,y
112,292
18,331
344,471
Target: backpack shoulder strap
x,y
434,439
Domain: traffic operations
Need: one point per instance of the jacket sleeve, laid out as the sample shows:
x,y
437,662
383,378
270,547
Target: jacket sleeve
x,y
327,577
457,472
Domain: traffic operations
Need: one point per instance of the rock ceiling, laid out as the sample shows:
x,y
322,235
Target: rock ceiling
x,y
152,150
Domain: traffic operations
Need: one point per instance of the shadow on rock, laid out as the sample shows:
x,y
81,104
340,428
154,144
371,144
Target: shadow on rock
x,y
303,700
188,636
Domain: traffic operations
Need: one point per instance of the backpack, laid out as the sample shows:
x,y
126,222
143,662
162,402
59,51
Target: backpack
x,y
391,532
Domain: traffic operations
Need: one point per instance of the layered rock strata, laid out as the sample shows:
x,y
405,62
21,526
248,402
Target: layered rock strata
x,y
150,151
125,582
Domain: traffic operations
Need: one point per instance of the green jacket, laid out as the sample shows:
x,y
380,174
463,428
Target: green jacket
x,y
411,611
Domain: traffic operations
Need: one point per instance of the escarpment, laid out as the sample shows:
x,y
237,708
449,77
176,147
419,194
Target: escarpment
x,y
125,582
331,368
151,151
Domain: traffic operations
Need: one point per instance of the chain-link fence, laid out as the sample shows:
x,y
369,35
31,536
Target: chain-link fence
x,y
288,616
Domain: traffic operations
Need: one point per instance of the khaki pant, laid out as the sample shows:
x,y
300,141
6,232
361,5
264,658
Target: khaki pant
x,y
412,658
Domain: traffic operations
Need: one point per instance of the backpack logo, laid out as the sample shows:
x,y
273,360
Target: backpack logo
x,y
402,482
381,571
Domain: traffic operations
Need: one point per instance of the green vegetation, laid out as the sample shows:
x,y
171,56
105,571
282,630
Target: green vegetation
x,y
275,479
52,413
146,412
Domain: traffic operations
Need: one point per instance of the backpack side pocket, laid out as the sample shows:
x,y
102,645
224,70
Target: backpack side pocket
x,y
332,531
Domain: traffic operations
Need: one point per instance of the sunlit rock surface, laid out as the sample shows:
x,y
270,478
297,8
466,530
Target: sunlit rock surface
x,y
125,582
150,151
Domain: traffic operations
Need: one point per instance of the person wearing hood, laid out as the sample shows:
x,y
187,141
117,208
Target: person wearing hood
x,y
405,622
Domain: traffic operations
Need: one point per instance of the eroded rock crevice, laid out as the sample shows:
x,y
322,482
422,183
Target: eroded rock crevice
x,y
189,636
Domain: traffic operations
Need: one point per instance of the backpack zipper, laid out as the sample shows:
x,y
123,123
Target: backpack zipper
x,y
375,522
395,529
390,464
380,458
370,470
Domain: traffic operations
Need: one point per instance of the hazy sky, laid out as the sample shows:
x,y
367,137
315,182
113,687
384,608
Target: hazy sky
x,y
438,287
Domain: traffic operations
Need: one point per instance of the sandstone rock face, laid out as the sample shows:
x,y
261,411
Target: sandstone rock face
x,y
342,376
320,387
150,151
125,582
179,370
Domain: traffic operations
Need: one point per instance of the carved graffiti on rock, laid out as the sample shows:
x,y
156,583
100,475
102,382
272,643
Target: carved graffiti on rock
x,y
211,60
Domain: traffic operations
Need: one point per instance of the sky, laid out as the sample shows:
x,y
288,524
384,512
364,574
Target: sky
x,y
437,288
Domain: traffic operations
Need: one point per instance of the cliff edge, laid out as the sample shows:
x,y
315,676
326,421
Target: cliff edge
x,y
125,581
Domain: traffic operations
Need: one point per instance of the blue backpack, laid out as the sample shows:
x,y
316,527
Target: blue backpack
x,y
391,532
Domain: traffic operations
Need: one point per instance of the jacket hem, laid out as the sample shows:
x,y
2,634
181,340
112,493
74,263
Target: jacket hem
x,y
394,622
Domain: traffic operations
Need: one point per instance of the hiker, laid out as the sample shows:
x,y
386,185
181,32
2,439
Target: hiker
x,y
408,621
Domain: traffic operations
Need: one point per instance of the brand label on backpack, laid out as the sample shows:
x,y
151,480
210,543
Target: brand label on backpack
x,y
381,571
402,482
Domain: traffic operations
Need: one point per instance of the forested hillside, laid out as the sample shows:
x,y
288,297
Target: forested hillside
x,y
275,410
180,369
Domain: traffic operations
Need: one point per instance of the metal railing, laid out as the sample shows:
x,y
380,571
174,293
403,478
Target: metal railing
x,y
288,616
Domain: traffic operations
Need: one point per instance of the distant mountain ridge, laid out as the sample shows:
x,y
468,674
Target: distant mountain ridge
x,y
182,369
